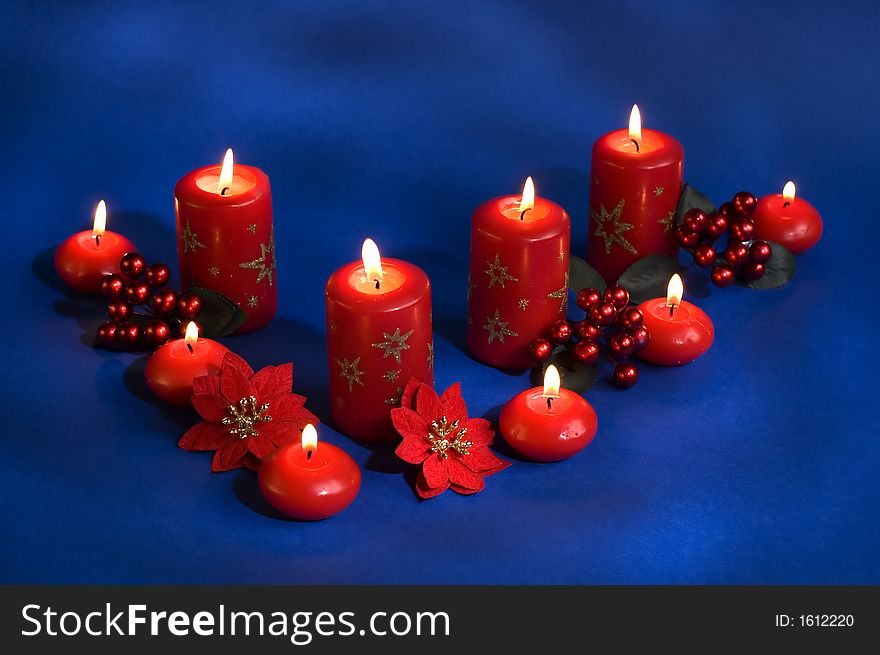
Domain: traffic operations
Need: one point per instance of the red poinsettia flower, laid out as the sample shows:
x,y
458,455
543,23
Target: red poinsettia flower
x,y
246,415
452,449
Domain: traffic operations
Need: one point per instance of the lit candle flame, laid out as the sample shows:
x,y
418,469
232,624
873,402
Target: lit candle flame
x,y
226,172
372,260
528,195
192,333
551,382
788,191
309,438
674,291
635,125
100,223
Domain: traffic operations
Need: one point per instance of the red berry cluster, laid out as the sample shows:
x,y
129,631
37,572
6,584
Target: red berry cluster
x,y
699,232
142,285
610,320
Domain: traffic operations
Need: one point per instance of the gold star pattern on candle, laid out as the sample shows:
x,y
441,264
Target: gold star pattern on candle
x,y
252,228
497,329
395,399
561,256
340,401
610,228
253,301
669,222
214,271
431,355
190,239
523,303
498,273
265,263
351,371
561,294
394,344
658,191
392,375
333,327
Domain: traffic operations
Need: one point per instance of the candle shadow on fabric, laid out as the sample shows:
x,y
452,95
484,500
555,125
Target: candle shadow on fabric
x,y
247,491
382,459
499,444
696,282
136,383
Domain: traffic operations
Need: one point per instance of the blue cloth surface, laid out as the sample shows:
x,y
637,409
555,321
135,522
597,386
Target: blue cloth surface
x,y
756,464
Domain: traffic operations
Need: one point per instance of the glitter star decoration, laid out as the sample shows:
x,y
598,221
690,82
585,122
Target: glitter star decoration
x,y
351,371
392,375
214,271
669,222
253,301
394,344
523,303
561,294
658,191
265,263
252,228
498,273
333,327
497,328
395,399
610,228
190,239
561,256
431,355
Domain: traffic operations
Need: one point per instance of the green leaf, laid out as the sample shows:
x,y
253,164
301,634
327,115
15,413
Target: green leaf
x,y
219,316
581,275
689,199
778,271
648,277
573,374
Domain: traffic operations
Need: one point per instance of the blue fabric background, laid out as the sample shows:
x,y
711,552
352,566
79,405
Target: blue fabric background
x,y
756,464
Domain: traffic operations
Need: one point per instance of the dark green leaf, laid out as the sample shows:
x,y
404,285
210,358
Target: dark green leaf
x,y
689,199
779,270
573,375
582,275
647,278
219,316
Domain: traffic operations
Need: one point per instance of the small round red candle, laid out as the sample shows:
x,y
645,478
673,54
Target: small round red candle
x,y
789,220
635,183
85,258
171,369
309,481
680,331
518,282
378,336
548,424
225,239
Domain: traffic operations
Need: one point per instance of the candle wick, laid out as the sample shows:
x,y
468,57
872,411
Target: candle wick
x,y
523,214
636,144
549,402
377,284
308,454
786,203
671,310
224,190
97,240
190,346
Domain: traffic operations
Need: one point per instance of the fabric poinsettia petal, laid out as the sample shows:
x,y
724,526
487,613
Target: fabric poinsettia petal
x,y
259,446
230,454
462,476
234,385
237,362
413,449
250,462
434,468
204,436
425,491
207,384
464,491
280,433
428,403
210,407
409,424
480,460
407,398
480,431
288,407
453,404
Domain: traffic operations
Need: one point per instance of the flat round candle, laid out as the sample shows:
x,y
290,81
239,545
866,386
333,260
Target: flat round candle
x,y
548,424
789,220
680,331
171,370
84,258
309,481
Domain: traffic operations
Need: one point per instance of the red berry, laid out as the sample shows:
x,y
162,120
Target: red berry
x,y
752,271
630,318
745,203
617,296
118,310
136,293
106,334
127,336
717,226
132,264
722,275
587,298
704,255
587,331
760,252
735,254
694,221
726,209
112,286
540,349
621,346
156,332
188,305
603,314
625,375
586,352
561,332
743,229
158,275
686,239
640,336
163,302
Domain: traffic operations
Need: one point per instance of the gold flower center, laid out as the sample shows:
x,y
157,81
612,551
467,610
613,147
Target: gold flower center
x,y
445,437
245,416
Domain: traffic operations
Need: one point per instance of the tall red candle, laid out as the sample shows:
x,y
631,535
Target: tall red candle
x,y
225,239
84,258
378,336
789,220
635,182
518,282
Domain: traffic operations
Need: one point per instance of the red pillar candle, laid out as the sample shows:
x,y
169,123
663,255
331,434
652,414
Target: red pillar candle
x,y
309,481
635,182
518,283
680,331
378,336
225,239
787,219
548,424
171,370
85,258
